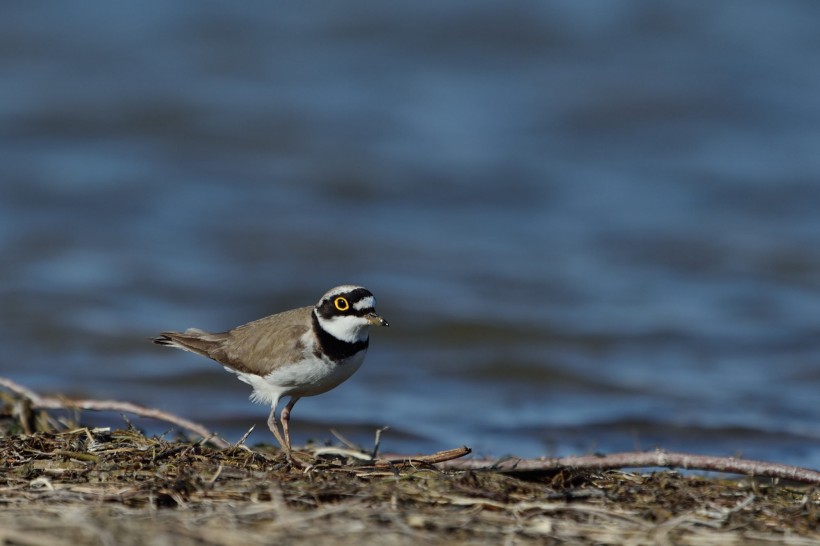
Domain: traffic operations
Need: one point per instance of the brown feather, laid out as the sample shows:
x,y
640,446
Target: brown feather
x,y
258,347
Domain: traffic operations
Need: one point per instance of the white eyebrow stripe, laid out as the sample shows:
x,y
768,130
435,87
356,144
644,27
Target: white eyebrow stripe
x,y
365,303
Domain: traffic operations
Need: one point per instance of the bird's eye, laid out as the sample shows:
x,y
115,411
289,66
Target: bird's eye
x,y
341,304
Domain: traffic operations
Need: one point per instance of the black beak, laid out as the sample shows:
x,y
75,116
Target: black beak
x,y
376,320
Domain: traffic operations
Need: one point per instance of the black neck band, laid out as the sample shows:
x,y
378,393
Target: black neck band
x,y
334,348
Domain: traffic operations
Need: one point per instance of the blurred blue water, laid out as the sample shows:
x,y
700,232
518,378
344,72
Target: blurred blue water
x,y
591,227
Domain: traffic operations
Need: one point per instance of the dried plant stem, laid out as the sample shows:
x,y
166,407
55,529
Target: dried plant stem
x,y
641,459
435,458
51,402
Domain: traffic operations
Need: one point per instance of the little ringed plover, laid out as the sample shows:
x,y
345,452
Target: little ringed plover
x,y
296,353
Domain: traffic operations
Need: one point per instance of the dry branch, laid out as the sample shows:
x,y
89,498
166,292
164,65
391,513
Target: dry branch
x,y
640,459
51,402
435,458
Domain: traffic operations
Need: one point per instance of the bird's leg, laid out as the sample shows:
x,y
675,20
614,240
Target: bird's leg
x,y
285,418
274,427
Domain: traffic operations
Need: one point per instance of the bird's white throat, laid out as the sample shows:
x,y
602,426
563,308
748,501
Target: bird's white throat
x,y
349,328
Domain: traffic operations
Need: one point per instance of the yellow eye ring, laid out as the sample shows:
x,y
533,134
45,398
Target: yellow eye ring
x,y
341,304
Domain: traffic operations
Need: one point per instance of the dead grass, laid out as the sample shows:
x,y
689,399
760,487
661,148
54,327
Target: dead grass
x,y
100,487
119,487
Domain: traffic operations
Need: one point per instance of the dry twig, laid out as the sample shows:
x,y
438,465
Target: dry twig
x,y
435,458
51,402
642,459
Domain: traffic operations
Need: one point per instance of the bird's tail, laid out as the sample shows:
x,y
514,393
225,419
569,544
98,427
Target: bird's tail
x,y
193,340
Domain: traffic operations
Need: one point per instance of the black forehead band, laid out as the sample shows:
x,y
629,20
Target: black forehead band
x,y
354,296
327,308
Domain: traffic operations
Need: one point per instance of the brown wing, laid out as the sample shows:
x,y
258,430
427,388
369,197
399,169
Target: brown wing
x,y
264,345
193,340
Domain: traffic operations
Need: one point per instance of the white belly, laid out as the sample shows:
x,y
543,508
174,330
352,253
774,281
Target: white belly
x,y
309,377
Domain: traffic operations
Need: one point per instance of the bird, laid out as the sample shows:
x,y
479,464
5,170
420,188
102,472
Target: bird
x,y
295,353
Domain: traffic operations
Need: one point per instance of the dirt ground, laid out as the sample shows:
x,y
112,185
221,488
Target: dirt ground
x,y
101,487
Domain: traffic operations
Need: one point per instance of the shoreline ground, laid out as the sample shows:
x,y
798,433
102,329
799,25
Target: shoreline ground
x,y
83,487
